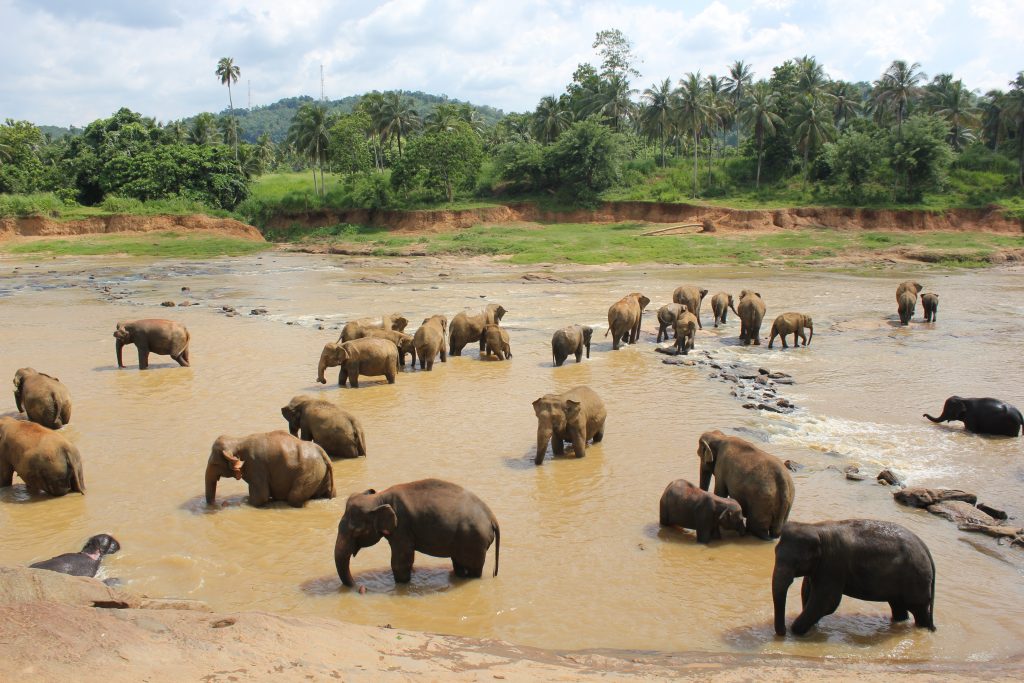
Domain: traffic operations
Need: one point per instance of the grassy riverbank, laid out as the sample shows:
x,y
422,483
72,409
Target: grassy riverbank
x,y
161,244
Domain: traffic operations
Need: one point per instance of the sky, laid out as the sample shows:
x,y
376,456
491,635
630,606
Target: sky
x,y
69,62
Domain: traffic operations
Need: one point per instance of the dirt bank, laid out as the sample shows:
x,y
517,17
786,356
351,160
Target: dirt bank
x,y
37,226
57,627
728,220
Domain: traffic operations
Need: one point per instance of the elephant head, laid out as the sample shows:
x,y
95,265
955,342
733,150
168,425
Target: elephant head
x,y
707,451
797,553
101,544
588,332
396,322
293,413
332,355
731,305
19,381
642,300
123,335
809,324
553,416
732,519
494,313
365,522
222,463
954,409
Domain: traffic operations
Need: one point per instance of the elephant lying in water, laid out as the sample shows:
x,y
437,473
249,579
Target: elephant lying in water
x,y
982,415
44,399
84,563
163,337
327,425
44,459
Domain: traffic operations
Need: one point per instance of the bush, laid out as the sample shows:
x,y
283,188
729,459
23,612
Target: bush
x,y
38,204
116,204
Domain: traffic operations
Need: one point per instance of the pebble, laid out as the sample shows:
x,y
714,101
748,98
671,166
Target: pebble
x,y
168,304
258,311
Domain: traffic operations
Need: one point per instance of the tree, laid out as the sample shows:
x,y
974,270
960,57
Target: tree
x,y
398,117
229,132
720,114
736,85
659,113
897,89
550,119
442,160
1012,116
348,148
21,170
853,159
811,79
612,101
585,158
693,112
922,154
951,101
845,103
616,52
812,129
228,73
309,134
762,118
444,117
204,130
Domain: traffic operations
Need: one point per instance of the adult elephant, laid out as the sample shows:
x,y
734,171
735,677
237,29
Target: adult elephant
x,y
930,301
751,312
720,305
393,321
667,316
430,516
275,465
571,340
982,415
685,332
429,341
907,304
403,341
467,328
757,480
687,506
325,424
366,356
866,559
794,324
44,399
908,286
496,342
44,459
153,335
692,296
575,417
624,319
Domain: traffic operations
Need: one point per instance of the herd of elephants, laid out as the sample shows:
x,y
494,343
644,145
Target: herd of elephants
x,y
865,559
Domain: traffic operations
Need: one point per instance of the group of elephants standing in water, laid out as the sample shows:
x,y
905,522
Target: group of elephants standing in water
x,y
753,490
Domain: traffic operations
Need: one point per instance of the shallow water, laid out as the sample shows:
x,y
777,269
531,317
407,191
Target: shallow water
x,y
583,561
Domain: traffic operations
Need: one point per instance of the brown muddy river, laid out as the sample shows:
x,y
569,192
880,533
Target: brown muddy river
x,y
583,561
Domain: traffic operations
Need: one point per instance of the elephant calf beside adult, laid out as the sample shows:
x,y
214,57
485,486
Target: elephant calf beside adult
x,y
575,417
467,328
930,302
44,399
571,340
368,356
982,415
152,335
685,332
751,313
325,424
624,319
692,297
44,459
687,506
496,342
667,316
720,305
429,341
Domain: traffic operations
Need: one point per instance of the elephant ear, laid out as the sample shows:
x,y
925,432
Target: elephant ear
x,y
384,519
572,408
369,492
707,456
236,464
643,301
538,406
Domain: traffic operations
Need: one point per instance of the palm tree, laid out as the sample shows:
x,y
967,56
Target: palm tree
x,y
372,104
228,73
204,130
308,132
176,131
399,116
470,116
762,118
720,114
444,117
740,77
1012,116
812,130
658,112
229,131
611,100
845,103
992,118
693,112
811,78
956,105
897,89
266,151
550,119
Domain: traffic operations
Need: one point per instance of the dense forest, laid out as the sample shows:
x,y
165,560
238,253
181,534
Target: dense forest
x,y
794,134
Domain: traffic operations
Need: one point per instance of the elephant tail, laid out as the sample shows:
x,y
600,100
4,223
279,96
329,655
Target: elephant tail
x,y
327,483
361,438
931,600
55,404
497,545
608,330
75,470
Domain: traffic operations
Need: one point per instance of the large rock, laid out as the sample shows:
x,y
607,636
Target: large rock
x,y
19,585
960,512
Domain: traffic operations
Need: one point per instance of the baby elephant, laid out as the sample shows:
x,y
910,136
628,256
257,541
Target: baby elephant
x,y
577,416
667,316
326,425
570,340
43,398
496,342
85,563
930,301
794,324
163,337
687,506
720,305
686,331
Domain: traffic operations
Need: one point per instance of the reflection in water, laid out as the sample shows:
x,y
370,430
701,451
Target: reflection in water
x,y
582,553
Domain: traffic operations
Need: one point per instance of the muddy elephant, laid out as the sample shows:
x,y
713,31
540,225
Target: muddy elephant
x,y
325,424
866,559
685,332
907,305
982,415
720,305
693,297
687,506
403,341
430,516
930,302
496,342
571,340
467,328
429,341
624,319
794,324
908,286
667,316
757,480
44,399
275,465
751,313
575,417
162,337
44,459
392,321
367,356
84,563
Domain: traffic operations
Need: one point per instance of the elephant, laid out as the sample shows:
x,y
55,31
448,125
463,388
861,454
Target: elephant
x,y
466,328
392,321
84,563
576,416
908,302
751,312
757,480
685,331
624,318
982,415
327,425
368,356
403,341
570,340
687,506
794,324
866,559
429,341
496,342
930,301
44,399
152,335
908,286
275,465
44,459
430,516
693,297
720,305
667,316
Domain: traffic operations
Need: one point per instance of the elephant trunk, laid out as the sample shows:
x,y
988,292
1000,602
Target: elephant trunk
x,y
322,368
342,558
543,437
782,579
118,345
587,344
940,418
212,476
811,335
705,477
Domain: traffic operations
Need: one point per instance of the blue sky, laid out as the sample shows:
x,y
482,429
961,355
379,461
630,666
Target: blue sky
x,y
72,61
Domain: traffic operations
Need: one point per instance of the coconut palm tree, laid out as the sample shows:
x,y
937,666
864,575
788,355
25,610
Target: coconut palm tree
x,y
762,118
992,128
693,112
720,114
739,80
228,73
956,105
550,119
1012,116
611,100
309,134
846,103
229,132
204,130
399,117
443,118
813,129
897,90
811,78
372,103
658,112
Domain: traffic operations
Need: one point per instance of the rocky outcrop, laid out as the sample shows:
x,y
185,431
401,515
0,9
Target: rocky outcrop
x,y
38,226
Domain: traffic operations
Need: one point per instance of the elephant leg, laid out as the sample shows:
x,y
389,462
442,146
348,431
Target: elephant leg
x,y
805,591
557,443
6,474
579,356
823,600
297,496
922,615
143,350
390,375
579,444
784,344
353,375
598,435
899,611
402,555
342,376
305,434
444,353
259,494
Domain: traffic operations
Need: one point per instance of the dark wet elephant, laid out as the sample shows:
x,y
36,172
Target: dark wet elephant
x,y
85,563
571,340
982,415
152,335
687,506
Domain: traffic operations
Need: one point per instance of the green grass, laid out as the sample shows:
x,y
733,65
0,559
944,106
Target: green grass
x,y
162,244
49,205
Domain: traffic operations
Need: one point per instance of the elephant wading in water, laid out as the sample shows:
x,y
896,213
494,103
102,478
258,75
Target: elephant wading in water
x,y
44,399
908,286
163,337
863,558
466,328
982,415
794,324
392,321
758,481
430,516
44,459
751,312
930,301
403,341
720,305
366,356
275,465
577,416
429,341
624,319
908,302
684,505
85,563
692,296
667,316
325,424
570,340
496,342
686,332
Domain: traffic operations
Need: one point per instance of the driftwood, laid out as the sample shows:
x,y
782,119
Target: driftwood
x,y
668,230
